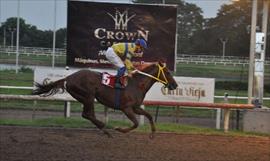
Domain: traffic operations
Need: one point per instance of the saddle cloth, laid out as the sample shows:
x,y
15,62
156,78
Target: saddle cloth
x,y
109,80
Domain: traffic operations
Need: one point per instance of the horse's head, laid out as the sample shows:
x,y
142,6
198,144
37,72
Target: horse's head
x,y
164,76
160,73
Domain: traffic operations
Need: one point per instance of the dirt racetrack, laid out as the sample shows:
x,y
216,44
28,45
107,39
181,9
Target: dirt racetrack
x,y
57,144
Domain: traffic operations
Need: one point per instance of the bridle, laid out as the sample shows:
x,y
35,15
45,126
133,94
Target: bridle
x,y
157,78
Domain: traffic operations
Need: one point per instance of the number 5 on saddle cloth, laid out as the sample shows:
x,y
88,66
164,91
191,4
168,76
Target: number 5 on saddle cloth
x,y
110,80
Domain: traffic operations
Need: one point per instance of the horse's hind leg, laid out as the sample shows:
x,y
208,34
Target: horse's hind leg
x,y
88,106
141,111
130,114
89,114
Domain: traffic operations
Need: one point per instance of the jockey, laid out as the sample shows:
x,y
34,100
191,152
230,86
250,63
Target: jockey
x,y
120,55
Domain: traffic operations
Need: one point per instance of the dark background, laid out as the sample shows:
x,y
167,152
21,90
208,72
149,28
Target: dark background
x,y
85,17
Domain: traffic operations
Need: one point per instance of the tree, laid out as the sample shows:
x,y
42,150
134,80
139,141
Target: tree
x,y
30,36
189,21
61,38
233,23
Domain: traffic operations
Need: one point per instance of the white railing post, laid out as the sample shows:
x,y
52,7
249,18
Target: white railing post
x,y
67,109
218,117
226,119
142,117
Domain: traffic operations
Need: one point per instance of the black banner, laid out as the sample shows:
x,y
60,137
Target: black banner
x,y
93,27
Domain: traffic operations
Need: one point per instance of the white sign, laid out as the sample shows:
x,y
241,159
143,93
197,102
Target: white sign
x,y
47,75
189,90
259,42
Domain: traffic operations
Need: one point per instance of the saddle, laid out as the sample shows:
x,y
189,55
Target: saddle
x,y
110,80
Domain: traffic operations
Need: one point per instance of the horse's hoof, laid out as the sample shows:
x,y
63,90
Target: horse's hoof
x,y
107,133
119,129
151,136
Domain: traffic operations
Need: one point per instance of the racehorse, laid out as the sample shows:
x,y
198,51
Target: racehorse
x,y
85,86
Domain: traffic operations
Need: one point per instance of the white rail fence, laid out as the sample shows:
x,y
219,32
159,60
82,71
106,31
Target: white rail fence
x,y
181,58
216,60
68,99
33,51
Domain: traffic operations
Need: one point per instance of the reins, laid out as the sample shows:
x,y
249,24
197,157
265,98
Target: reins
x,y
157,78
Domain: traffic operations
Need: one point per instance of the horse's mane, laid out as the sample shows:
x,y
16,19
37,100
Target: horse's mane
x,y
144,66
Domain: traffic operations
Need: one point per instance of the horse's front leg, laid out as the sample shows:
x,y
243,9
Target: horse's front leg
x,y
141,111
130,114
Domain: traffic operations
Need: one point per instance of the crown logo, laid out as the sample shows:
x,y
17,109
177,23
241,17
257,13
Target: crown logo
x,y
121,19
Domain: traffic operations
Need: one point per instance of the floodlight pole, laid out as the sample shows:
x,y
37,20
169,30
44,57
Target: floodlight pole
x,y
4,42
54,35
264,23
0,13
18,36
252,51
260,85
223,41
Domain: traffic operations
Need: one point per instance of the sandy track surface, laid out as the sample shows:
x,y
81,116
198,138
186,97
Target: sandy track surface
x,y
59,144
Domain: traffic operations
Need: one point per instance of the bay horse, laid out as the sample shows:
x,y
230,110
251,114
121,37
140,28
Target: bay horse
x,y
85,86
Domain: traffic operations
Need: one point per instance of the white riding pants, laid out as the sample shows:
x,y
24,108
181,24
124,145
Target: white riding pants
x,y
114,58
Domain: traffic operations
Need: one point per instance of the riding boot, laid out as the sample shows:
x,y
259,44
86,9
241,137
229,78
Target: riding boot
x,y
118,84
120,73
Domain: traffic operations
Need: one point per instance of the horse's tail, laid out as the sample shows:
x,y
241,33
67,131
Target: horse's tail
x,y
50,88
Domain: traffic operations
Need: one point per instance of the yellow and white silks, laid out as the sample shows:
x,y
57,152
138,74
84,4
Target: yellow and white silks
x,y
120,55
